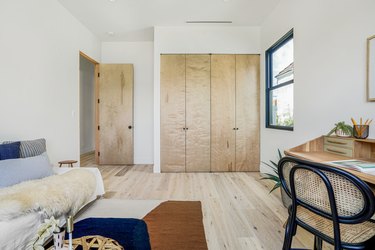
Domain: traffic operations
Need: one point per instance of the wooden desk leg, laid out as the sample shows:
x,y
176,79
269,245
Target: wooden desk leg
x,y
60,165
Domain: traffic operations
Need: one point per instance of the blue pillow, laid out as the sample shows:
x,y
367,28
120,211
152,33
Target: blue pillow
x,y
10,151
14,171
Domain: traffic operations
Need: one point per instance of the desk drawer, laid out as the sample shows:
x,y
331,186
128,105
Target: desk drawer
x,y
338,150
338,142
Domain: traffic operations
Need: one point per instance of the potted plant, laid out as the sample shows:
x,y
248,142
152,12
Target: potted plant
x,y
342,129
275,178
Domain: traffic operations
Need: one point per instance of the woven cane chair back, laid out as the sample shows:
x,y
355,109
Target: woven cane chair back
x,y
353,198
311,189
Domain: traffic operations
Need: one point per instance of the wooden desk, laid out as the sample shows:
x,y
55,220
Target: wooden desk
x,y
314,150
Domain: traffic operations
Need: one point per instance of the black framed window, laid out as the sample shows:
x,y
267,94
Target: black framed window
x,y
279,83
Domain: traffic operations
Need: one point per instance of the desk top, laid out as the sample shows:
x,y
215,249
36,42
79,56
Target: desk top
x,y
324,157
314,151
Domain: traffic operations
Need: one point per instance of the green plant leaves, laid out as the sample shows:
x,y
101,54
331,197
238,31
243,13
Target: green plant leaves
x,y
274,177
347,129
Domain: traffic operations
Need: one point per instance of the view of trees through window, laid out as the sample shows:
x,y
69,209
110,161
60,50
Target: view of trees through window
x,y
280,72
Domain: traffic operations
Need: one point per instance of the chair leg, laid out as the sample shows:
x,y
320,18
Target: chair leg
x,y
318,243
289,233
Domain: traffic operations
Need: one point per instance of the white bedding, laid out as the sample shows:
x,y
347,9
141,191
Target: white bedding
x,y
15,233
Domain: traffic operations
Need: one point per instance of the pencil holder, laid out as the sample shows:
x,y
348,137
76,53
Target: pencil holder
x,y
360,131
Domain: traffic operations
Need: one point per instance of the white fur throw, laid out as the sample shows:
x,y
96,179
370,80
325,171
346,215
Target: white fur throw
x,y
55,195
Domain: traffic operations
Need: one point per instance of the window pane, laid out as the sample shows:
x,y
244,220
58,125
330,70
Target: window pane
x,y
281,106
282,64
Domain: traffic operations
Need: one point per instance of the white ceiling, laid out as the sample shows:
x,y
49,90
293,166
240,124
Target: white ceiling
x,y
133,20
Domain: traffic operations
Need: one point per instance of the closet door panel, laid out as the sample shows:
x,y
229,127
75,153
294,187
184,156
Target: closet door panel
x,y
223,112
247,113
198,113
172,116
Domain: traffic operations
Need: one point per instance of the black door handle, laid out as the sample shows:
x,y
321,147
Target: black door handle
x,y
130,127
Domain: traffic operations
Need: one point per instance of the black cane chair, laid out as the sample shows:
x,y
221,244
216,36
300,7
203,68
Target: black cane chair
x,y
332,204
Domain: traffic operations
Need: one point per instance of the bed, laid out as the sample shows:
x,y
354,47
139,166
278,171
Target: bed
x,y
19,226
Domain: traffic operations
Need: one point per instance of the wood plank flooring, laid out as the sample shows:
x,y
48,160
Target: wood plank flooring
x,y
238,211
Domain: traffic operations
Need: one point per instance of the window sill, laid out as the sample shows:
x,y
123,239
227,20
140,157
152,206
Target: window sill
x,y
280,127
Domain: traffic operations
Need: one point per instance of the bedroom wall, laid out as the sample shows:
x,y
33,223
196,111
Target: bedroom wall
x,y
140,54
39,74
86,105
197,39
330,69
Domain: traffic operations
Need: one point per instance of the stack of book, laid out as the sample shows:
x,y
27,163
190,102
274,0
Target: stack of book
x,y
358,165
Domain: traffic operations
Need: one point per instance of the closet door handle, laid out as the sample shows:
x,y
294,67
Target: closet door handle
x,y
183,128
130,127
187,128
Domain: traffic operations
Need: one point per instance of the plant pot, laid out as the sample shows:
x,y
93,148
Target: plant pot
x,y
58,239
341,133
287,201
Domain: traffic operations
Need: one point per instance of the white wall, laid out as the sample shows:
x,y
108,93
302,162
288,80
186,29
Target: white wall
x,y
141,55
330,70
197,39
39,74
87,105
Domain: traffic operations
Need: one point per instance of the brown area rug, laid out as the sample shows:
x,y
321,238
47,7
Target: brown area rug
x,y
176,225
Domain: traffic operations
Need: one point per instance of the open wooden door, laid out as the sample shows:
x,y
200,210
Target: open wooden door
x,y
116,114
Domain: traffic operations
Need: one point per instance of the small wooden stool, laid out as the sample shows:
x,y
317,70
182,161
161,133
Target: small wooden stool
x,y
67,162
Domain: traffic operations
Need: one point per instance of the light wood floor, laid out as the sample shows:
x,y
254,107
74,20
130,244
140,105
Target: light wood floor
x,y
238,211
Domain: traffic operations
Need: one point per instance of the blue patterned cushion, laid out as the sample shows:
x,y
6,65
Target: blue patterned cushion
x,y
31,148
131,234
10,151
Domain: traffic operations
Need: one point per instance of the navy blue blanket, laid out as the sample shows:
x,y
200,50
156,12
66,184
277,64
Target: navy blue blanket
x,y
130,233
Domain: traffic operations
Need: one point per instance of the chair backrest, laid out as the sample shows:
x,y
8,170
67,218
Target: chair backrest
x,y
327,191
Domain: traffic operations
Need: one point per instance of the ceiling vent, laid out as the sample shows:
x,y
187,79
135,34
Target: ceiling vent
x,y
209,22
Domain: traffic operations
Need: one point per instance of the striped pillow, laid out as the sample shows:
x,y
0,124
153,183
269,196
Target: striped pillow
x,y
31,148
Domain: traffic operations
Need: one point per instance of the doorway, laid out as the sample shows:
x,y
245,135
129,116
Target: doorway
x,y
87,105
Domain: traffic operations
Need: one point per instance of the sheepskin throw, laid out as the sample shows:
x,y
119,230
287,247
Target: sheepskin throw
x,y
55,195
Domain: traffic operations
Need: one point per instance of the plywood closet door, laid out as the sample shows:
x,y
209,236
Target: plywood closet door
x,y
116,114
172,114
247,112
223,74
198,113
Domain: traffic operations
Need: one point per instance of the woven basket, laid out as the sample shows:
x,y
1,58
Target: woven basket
x,y
96,242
